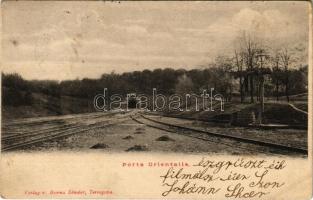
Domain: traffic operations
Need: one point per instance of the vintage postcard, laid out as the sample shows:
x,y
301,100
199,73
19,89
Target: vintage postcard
x,y
156,100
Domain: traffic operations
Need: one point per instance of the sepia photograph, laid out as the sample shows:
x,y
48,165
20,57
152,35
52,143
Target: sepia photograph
x,y
190,78
156,99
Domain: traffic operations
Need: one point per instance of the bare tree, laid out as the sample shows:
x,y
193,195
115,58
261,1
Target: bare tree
x,y
275,61
239,64
285,57
249,48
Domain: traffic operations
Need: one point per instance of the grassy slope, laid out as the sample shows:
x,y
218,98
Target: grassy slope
x,y
45,105
274,112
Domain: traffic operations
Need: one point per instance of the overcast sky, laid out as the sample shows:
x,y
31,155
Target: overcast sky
x,y
76,39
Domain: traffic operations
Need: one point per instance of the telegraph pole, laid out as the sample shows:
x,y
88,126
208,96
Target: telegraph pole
x,y
262,56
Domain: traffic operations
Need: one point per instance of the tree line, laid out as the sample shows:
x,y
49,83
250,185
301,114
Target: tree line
x,y
221,76
252,67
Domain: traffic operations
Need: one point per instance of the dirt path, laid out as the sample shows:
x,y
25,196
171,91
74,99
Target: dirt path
x,y
127,135
130,136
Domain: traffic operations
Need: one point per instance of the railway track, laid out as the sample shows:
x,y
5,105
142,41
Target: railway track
x,y
49,120
212,140
24,140
257,145
228,122
23,128
79,124
20,135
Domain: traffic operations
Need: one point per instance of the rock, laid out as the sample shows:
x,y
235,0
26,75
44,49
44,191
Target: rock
x,y
138,148
138,132
164,138
99,146
128,137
